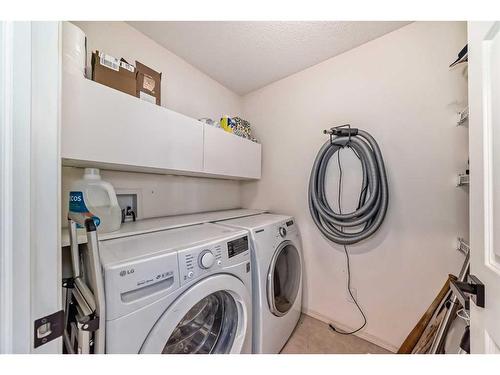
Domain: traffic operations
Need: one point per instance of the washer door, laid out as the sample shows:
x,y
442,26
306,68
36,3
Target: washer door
x,y
212,316
283,279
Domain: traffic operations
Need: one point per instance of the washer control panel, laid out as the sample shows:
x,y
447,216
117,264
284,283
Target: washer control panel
x,y
237,246
203,260
193,263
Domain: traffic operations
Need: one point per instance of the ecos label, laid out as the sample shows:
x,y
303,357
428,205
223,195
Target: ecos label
x,y
77,205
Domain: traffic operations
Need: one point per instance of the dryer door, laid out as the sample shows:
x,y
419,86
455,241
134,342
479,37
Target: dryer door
x,y
213,316
283,278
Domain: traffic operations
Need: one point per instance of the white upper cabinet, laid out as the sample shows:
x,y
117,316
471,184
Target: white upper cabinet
x,y
108,129
228,155
105,127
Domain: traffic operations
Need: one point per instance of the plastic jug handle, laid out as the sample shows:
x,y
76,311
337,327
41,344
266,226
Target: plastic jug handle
x,y
111,193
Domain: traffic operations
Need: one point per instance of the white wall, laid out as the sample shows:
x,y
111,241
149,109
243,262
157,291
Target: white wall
x,y
164,195
399,89
184,89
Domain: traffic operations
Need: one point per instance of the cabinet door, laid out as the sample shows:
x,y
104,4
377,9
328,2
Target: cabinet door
x,y
108,128
228,155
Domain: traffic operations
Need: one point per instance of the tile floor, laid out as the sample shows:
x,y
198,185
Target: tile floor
x,y
312,336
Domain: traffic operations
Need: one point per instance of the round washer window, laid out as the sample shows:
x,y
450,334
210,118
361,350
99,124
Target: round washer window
x,y
284,277
208,327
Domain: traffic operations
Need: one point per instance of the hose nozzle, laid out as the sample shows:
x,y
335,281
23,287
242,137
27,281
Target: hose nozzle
x,y
342,131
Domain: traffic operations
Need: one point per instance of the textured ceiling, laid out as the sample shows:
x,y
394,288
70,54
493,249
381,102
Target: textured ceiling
x,y
245,56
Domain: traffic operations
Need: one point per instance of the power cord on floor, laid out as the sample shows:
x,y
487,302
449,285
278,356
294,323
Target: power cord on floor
x,y
342,332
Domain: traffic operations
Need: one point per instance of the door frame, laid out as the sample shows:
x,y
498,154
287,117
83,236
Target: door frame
x,y
30,252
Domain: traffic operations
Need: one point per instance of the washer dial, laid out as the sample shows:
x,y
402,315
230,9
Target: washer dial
x,y
206,259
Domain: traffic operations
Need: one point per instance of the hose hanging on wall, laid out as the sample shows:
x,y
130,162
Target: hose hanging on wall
x,y
373,197
374,193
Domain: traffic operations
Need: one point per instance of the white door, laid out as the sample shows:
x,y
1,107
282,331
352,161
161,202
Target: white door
x,y
484,148
30,277
212,317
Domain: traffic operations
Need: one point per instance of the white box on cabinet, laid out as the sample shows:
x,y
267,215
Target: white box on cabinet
x,y
107,128
229,155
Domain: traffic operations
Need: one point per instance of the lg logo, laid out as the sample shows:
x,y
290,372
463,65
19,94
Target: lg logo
x,y
126,272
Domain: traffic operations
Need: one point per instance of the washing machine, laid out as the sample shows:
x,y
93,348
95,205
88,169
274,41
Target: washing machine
x,y
276,254
183,290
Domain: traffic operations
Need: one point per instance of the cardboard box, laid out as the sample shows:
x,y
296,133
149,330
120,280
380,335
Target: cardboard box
x,y
148,84
113,72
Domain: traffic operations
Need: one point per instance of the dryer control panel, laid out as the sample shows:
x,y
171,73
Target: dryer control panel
x,y
290,225
285,228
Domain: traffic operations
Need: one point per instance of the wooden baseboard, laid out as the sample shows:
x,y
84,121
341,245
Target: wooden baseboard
x,y
365,336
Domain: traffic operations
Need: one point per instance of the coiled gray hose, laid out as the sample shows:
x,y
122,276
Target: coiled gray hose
x,y
374,195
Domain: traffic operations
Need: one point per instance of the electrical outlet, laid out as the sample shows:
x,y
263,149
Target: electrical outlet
x,y
354,293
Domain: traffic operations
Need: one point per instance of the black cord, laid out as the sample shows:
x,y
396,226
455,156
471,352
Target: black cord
x,y
347,258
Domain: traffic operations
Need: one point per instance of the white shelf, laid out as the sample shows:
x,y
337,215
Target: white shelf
x,y
108,129
463,246
463,116
162,223
463,179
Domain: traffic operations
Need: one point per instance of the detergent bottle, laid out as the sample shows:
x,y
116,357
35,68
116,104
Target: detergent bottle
x,y
91,197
